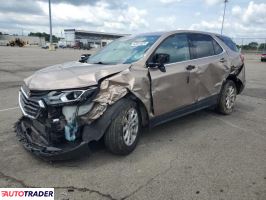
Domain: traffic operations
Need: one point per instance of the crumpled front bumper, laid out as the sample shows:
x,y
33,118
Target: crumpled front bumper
x,y
52,153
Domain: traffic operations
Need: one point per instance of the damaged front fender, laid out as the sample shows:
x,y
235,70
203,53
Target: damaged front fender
x,y
107,96
118,86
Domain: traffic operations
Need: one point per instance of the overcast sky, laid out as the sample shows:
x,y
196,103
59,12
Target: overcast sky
x,y
244,18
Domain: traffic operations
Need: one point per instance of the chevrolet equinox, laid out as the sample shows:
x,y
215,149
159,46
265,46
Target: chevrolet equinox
x,y
134,82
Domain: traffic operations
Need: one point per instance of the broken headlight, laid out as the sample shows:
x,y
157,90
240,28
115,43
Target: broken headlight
x,y
72,95
69,96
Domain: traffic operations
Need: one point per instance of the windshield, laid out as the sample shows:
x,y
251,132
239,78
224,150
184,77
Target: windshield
x,y
124,50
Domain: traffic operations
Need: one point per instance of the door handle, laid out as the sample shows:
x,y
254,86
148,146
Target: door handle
x,y
190,67
222,60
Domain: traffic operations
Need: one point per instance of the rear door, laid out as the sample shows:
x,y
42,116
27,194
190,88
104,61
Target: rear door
x,y
211,63
176,87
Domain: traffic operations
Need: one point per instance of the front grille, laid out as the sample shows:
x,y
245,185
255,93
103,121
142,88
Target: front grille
x,y
29,105
35,93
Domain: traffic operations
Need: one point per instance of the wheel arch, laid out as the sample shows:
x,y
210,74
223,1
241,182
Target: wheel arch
x,y
141,108
96,130
237,81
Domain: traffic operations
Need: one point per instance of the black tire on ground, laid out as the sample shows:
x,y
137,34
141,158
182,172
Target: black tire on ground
x,y
114,138
228,90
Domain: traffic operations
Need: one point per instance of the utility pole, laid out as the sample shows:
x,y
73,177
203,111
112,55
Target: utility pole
x,y
51,46
225,1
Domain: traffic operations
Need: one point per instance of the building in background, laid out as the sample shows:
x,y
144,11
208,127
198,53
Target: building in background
x,y
28,40
88,39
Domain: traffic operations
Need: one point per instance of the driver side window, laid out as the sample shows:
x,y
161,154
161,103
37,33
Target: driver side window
x,y
176,47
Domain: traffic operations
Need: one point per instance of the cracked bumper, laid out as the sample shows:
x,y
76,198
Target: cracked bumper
x,y
52,153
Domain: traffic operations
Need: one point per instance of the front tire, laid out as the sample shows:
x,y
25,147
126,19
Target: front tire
x,y
227,98
122,136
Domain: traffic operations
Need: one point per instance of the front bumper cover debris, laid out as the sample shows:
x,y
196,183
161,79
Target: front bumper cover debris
x,y
24,132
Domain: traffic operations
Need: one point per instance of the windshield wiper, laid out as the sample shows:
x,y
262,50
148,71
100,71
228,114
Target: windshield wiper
x,y
102,63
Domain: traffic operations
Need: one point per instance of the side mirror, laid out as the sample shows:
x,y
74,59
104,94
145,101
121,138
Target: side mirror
x,y
159,60
84,57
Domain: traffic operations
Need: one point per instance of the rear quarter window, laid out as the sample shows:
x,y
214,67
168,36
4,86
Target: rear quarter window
x,y
217,48
229,42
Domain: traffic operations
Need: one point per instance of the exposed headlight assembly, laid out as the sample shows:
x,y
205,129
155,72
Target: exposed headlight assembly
x,y
59,97
72,95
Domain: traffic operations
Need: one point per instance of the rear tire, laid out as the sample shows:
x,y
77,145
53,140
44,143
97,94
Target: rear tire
x,y
227,98
123,134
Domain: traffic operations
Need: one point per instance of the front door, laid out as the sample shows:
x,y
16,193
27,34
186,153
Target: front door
x,y
177,87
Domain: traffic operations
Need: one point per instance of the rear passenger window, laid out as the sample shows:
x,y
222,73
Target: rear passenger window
x,y
217,48
176,47
201,45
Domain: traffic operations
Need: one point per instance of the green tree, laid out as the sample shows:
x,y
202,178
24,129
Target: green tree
x,y
246,47
253,45
45,35
262,46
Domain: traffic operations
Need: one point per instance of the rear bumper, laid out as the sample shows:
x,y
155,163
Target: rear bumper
x,y
241,78
47,152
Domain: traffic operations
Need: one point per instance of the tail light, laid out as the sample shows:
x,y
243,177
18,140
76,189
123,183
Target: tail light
x,y
242,58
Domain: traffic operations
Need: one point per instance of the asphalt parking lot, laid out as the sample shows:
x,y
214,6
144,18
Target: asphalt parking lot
x,y
203,156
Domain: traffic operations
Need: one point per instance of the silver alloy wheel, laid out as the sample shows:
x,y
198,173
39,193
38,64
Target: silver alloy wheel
x,y
130,126
230,97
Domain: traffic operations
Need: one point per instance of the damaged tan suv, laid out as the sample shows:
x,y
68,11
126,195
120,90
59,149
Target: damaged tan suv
x,y
134,82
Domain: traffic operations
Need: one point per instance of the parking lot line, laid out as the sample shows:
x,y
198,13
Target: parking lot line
x,y
7,109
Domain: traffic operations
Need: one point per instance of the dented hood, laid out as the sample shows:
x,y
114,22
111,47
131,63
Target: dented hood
x,y
71,75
